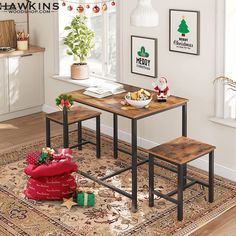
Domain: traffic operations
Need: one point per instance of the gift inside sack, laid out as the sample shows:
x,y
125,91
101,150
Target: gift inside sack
x,y
50,174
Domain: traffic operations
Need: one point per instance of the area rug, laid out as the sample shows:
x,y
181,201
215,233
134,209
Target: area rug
x,y
112,212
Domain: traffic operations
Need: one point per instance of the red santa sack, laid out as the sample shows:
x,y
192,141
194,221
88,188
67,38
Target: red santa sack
x,y
52,181
50,188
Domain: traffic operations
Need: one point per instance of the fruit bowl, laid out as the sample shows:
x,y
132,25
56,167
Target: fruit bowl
x,y
138,99
138,103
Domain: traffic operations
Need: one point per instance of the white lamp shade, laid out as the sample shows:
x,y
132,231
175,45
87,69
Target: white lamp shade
x,y
144,15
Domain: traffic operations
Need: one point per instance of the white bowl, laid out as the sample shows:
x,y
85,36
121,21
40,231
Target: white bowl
x,y
138,103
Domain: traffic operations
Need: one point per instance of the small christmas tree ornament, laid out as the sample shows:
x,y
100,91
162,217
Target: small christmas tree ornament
x,y
162,89
104,7
80,8
87,6
69,8
113,3
63,3
96,9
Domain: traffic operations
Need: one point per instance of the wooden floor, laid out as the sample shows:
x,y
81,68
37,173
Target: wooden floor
x,y
28,128
24,129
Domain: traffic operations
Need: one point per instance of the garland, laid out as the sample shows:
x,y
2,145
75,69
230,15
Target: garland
x,y
96,7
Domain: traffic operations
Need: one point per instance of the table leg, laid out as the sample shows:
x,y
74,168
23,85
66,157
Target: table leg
x,y
65,128
151,180
211,177
115,135
134,166
48,132
184,120
80,138
98,137
180,192
184,133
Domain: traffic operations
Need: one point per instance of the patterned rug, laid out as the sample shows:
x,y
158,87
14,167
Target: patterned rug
x,y
112,212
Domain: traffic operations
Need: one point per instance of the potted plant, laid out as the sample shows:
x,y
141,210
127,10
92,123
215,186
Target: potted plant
x,y
79,41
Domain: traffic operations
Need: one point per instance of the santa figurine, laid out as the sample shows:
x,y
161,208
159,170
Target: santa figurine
x,y
162,89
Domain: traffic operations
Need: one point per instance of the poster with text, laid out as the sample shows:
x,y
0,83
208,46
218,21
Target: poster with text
x,y
144,56
184,31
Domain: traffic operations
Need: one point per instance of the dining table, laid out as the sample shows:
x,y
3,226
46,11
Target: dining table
x,y
113,105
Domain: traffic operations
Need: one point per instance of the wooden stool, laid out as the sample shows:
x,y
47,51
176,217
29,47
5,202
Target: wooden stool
x,y
75,115
179,152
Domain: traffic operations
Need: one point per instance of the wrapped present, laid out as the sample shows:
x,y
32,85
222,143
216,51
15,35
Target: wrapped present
x,y
40,157
85,199
50,188
50,175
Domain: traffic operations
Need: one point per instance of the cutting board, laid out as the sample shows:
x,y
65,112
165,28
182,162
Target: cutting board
x,y
8,33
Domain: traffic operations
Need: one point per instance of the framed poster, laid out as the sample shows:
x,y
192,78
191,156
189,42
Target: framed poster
x,y
144,56
184,31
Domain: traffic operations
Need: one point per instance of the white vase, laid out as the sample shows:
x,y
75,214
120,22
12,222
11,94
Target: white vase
x,y
22,45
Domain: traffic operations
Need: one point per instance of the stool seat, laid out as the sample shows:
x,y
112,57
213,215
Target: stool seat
x,y
76,114
181,150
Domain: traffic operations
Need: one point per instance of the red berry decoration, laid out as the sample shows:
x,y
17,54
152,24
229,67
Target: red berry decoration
x,y
64,4
70,8
113,3
80,8
87,6
96,9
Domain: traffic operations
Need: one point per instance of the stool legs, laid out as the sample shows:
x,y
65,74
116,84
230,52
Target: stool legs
x,y
151,180
180,191
80,139
48,133
185,169
211,177
98,137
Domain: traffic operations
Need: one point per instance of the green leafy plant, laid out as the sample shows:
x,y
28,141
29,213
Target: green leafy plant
x,y
79,39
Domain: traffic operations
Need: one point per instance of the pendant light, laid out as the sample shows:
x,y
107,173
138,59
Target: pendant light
x,y
144,15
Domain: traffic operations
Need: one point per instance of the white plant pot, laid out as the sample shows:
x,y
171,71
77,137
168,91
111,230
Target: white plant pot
x,y
22,45
79,71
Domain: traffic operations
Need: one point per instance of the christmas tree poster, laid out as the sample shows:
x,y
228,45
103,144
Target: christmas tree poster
x,y
184,31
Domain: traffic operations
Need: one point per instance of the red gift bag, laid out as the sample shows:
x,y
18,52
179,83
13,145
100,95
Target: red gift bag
x,y
51,180
50,188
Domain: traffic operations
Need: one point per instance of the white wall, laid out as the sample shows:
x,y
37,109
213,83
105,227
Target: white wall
x,y
189,76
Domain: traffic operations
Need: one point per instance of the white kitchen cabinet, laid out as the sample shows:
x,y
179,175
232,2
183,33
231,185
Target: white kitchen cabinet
x,y
4,98
25,81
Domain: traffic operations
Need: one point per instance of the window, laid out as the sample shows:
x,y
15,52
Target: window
x,y
226,59
102,61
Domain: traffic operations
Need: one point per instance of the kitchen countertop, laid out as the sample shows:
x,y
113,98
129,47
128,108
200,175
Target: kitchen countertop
x,y
32,49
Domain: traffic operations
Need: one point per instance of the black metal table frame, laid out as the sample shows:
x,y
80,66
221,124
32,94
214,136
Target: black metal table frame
x,y
134,155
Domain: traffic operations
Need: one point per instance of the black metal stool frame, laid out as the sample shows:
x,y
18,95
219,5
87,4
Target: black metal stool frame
x,y
81,141
182,183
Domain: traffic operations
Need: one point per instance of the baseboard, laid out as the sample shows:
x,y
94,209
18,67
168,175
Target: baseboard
x,y
16,114
49,109
201,163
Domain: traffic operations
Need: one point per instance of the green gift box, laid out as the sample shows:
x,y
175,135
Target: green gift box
x,y
85,199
